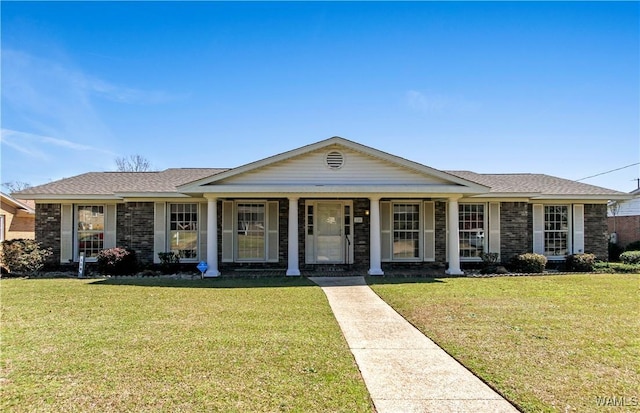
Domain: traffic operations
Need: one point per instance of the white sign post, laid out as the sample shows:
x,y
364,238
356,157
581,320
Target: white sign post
x,y
81,266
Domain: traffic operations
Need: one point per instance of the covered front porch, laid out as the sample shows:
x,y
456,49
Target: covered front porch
x,y
343,235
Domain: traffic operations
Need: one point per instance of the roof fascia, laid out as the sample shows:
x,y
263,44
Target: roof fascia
x,y
12,201
128,195
342,190
586,197
73,197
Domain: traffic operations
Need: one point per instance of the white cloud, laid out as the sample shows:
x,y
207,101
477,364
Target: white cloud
x,y
422,103
434,103
41,147
53,98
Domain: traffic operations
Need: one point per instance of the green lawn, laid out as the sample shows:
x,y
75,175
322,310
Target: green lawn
x,y
547,343
163,345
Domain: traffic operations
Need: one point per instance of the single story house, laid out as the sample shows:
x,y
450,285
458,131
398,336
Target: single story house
x,y
329,204
17,218
624,220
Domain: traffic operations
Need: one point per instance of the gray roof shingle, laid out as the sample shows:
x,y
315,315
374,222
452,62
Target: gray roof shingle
x,y
522,183
108,183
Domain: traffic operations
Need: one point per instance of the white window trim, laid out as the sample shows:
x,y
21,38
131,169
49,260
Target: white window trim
x,y
569,232
231,234
264,231
485,229
76,241
420,230
198,230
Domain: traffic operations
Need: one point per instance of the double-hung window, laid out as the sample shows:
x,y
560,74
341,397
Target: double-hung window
x,y
90,229
251,231
406,231
556,230
471,229
183,230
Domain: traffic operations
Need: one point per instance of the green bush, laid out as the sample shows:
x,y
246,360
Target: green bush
x,y
616,268
169,262
117,261
529,263
630,257
614,251
633,246
23,255
581,262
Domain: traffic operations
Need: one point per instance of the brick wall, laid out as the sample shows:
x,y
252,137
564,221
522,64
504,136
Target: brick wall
x,y
627,228
596,239
441,231
515,229
48,218
134,229
360,235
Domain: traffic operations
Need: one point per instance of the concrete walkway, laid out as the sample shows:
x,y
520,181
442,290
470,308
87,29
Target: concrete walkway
x,y
404,371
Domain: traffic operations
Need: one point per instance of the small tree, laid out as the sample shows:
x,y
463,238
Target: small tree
x,y
15,186
133,163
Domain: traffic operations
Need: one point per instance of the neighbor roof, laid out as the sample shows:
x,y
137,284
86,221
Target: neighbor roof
x,y
18,203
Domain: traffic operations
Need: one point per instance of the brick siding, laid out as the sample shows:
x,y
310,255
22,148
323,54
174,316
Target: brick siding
x,y
627,228
134,229
48,225
515,229
135,222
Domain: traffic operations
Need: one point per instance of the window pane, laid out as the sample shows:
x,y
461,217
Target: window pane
x,y
183,230
406,231
90,235
471,221
556,229
251,232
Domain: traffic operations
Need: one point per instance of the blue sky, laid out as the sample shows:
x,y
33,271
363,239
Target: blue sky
x,y
498,87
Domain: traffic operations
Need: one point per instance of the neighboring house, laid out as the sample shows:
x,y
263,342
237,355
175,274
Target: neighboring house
x,y
332,203
17,218
624,220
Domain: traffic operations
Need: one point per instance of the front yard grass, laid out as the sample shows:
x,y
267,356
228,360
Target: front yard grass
x,y
547,343
164,345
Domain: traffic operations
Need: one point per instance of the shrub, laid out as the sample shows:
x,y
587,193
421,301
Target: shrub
x,y
616,268
614,251
529,263
117,261
633,246
630,257
169,262
489,262
23,255
581,262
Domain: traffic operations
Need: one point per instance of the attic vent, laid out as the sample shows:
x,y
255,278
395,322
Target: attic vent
x,y
335,160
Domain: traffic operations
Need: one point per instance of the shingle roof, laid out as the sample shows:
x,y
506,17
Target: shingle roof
x,y
524,183
108,183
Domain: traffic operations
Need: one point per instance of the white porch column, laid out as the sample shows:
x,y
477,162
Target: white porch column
x,y
375,266
454,238
212,238
292,268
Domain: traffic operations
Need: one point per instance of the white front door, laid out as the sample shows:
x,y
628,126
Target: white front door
x,y
329,233
329,238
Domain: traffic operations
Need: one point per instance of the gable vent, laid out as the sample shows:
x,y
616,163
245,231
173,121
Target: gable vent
x,y
335,160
